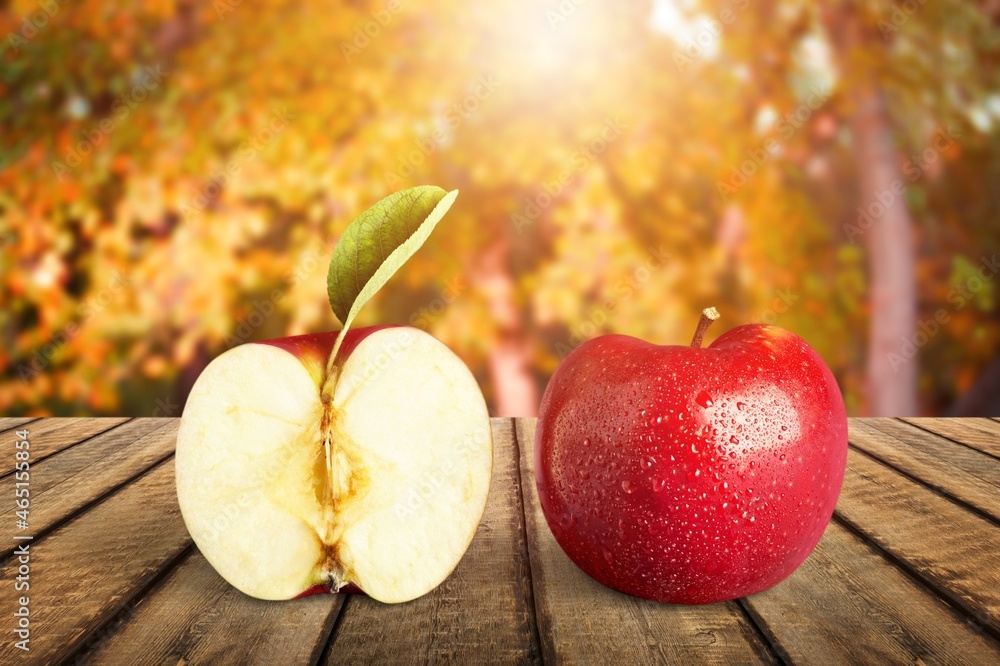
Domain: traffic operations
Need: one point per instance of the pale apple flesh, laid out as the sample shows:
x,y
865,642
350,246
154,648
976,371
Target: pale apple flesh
x,y
389,510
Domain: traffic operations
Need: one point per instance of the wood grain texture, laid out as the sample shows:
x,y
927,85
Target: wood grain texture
x,y
195,617
482,613
955,551
909,572
955,470
980,434
847,604
49,436
86,573
12,422
582,622
70,479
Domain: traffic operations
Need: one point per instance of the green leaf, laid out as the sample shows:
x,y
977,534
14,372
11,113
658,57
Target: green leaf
x,y
376,244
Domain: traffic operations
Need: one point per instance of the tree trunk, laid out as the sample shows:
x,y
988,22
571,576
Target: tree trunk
x,y
892,371
892,367
509,359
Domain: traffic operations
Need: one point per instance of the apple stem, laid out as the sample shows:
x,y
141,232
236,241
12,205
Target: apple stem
x,y
708,315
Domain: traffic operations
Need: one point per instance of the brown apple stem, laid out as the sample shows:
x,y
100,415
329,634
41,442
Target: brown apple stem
x,y
708,315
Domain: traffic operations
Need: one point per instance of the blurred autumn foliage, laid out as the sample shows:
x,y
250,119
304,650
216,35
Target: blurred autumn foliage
x,y
174,174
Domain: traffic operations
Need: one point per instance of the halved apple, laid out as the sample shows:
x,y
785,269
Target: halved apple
x,y
382,489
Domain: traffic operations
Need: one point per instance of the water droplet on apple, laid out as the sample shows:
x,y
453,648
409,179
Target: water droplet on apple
x,y
586,441
584,474
735,440
740,406
649,461
659,484
704,399
608,556
628,486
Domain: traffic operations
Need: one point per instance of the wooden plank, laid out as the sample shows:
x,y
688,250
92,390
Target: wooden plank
x,y
955,470
980,434
69,480
847,604
195,617
952,549
49,436
581,621
86,572
10,422
483,613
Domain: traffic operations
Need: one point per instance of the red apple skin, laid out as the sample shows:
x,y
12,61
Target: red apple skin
x,y
691,475
313,349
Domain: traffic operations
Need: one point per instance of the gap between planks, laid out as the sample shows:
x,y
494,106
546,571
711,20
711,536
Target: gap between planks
x,y
66,515
962,474
90,428
973,428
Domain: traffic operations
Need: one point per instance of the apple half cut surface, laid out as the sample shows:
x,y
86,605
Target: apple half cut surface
x,y
389,507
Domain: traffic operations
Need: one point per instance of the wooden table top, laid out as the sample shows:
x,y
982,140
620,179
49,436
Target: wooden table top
x,y
907,572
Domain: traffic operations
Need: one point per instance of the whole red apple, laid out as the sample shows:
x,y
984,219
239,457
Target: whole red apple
x,y
691,475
